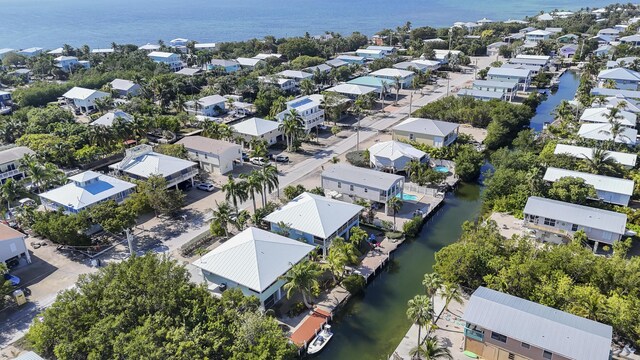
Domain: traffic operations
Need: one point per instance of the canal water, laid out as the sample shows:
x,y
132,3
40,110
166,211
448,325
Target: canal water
x,y
372,325
567,87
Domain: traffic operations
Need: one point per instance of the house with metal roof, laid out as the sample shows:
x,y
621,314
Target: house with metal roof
x,y
568,51
108,118
388,50
522,77
537,35
336,63
621,62
602,132
282,83
125,88
405,76
481,94
187,71
10,162
205,46
494,48
633,40
608,189
249,62
29,355
228,66
426,131
621,78
295,75
600,115
528,61
149,47
264,56
212,105
141,162
12,245
172,60
83,99
258,129
621,102
383,86
371,54
102,51
430,64
315,219
411,66
394,156
502,326
309,107
352,91
253,261
4,52
351,59
66,63
212,155
375,186
507,89
323,68
85,190
535,69
629,94
30,52
627,160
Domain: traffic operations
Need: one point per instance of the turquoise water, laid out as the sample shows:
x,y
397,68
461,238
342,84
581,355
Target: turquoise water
x,y
441,168
407,197
569,82
371,326
51,23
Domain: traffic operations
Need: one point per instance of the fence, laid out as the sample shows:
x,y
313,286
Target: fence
x,y
420,189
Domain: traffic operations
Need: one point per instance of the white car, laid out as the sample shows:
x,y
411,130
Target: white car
x,y
260,161
206,187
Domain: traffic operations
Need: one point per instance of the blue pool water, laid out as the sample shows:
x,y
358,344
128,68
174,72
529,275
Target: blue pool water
x,y
441,168
407,197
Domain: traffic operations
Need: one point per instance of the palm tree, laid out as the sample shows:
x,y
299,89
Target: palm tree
x,y
394,204
241,220
397,84
270,181
432,282
307,87
291,127
302,277
431,350
600,161
420,312
335,263
450,292
235,192
10,190
222,216
253,181
615,130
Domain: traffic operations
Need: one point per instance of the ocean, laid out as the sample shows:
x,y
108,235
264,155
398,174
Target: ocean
x,y
98,23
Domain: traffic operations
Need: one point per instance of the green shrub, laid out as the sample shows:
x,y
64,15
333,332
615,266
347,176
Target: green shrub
x,y
357,158
354,283
412,227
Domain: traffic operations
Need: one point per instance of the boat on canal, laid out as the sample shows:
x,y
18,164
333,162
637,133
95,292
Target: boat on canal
x,y
320,341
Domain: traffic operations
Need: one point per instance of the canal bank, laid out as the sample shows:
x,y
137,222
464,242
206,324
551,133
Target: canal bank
x,y
567,87
371,325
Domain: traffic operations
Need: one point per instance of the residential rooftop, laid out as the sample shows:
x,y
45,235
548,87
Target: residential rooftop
x,y
356,175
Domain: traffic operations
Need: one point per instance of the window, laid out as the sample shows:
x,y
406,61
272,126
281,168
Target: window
x,y
351,187
547,355
366,190
498,337
411,137
574,227
526,346
339,185
549,222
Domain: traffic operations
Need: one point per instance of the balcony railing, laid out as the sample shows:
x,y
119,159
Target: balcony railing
x,y
10,173
549,229
474,334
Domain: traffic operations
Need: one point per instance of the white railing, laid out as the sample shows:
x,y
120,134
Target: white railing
x,y
10,173
420,189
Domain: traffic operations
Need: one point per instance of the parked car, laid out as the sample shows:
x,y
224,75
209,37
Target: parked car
x,y
245,156
206,187
185,185
260,161
323,127
14,280
281,158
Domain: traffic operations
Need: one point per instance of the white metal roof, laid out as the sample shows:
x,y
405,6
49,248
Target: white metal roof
x,y
108,118
255,126
83,94
211,100
601,132
352,89
29,355
428,63
65,58
102,51
369,51
539,33
627,104
350,57
295,74
161,54
248,61
367,177
189,71
394,154
406,65
427,126
619,74
223,62
205,45
336,63
580,152
600,182
521,73
14,154
314,214
480,94
149,47
390,72
321,67
208,145
557,331
121,84
600,115
254,258
262,56
149,163
86,189
495,84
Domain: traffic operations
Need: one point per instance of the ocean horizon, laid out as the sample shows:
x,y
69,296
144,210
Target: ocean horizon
x,y
52,23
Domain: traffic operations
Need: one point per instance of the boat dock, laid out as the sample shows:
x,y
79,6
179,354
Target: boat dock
x,y
310,327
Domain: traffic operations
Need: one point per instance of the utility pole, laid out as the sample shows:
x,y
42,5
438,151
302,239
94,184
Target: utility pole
x,y
410,101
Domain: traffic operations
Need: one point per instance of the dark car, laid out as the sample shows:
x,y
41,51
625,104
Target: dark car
x,y
14,280
245,157
279,158
185,185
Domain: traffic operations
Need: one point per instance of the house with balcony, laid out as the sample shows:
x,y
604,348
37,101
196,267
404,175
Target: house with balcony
x,y
405,76
609,189
286,85
426,131
5,99
627,160
85,190
620,78
500,326
387,50
12,245
295,75
351,59
258,129
10,162
315,219
227,66
212,155
375,186
394,156
370,54
535,69
266,257
537,35
524,59
125,88
83,99
141,162
522,77
493,49
309,108
170,59
507,89
67,63
632,40
212,105
557,221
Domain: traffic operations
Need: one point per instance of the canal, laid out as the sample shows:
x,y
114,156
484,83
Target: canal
x,y
569,82
372,325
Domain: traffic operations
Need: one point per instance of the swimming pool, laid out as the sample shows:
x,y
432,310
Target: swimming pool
x,y
441,168
407,197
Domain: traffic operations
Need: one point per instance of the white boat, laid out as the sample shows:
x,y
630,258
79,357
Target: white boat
x,y
320,340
